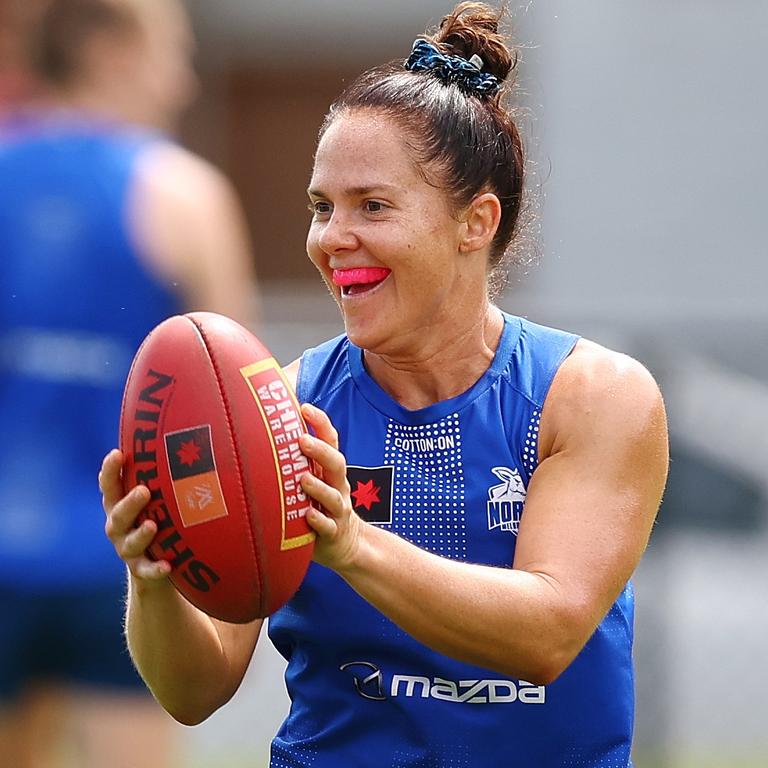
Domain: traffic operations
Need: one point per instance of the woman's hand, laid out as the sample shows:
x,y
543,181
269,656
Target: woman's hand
x,y
130,542
338,527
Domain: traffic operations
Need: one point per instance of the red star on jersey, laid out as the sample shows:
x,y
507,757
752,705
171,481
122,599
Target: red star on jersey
x,y
189,452
366,494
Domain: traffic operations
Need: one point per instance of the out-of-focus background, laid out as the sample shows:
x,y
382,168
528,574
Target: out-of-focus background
x,y
647,127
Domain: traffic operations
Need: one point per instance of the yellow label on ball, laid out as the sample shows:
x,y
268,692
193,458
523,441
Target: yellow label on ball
x,y
282,418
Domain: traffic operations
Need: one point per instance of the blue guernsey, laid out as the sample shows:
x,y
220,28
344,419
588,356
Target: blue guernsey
x,y
452,479
75,303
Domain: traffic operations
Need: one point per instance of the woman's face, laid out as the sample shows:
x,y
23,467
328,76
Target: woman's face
x,y
384,240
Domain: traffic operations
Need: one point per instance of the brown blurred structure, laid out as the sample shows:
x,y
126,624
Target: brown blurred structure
x,y
259,125
16,82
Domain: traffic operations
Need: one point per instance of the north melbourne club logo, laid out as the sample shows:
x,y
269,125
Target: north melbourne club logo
x,y
371,492
505,500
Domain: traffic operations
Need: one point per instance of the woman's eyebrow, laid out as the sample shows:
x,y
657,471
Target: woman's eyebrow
x,y
355,191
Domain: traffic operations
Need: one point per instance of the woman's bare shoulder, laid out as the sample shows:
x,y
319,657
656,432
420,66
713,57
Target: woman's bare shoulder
x,y
595,389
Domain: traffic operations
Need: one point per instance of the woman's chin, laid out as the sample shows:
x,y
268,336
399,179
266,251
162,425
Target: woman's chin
x,y
368,334
360,337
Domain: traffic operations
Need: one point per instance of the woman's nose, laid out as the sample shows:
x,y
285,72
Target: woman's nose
x,y
337,234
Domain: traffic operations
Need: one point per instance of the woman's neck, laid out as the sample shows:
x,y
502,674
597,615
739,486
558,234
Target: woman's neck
x,y
443,369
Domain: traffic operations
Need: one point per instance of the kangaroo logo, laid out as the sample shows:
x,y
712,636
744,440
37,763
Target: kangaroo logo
x,y
505,501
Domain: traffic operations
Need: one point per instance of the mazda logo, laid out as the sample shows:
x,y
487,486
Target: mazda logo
x,y
367,679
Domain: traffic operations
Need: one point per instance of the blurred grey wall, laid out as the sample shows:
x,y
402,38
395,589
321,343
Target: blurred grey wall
x,y
654,119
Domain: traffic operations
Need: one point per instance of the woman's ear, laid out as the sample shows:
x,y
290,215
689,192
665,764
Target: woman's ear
x,y
481,220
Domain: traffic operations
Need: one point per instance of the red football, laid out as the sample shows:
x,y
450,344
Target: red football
x,y
211,426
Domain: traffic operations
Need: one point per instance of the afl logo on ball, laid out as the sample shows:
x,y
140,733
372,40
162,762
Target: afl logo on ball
x,y
193,471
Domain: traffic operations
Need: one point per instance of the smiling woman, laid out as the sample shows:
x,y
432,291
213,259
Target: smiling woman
x,y
486,486
379,213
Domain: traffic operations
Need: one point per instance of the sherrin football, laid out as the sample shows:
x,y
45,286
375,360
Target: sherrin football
x,y
211,426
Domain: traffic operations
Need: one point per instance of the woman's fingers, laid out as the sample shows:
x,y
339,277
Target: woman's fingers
x,y
150,570
110,482
330,499
324,449
129,540
331,462
323,525
134,543
132,550
337,526
319,421
121,516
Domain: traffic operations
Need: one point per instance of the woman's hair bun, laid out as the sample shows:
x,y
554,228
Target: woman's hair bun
x,y
473,29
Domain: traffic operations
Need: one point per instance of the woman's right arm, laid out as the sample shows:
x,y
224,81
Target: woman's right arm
x,y
192,663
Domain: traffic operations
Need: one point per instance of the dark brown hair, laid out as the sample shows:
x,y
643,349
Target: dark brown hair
x,y
464,143
67,25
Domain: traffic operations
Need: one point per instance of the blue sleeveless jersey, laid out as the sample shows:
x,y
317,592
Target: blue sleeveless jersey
x,y
452,479
75,304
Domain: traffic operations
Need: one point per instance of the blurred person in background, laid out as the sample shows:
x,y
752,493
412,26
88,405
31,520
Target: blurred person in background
x,y
106,227
487,486
16,80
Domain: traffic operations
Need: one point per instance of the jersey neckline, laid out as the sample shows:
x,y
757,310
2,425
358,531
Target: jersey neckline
x,y
387,405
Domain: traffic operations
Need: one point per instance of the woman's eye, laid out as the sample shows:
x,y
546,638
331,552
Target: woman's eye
x,y
320,208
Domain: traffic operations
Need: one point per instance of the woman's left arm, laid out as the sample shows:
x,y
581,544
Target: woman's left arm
x,y
589,511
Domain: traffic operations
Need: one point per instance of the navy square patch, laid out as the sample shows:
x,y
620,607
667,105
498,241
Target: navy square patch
x,y
190,452
371,491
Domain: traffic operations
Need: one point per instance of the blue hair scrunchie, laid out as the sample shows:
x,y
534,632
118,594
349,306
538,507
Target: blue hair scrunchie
x,y
452,69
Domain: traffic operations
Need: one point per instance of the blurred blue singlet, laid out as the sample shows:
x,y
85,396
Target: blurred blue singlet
x,y
75,303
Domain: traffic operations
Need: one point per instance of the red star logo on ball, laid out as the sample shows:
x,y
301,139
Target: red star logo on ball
x,y
189,452
366,494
